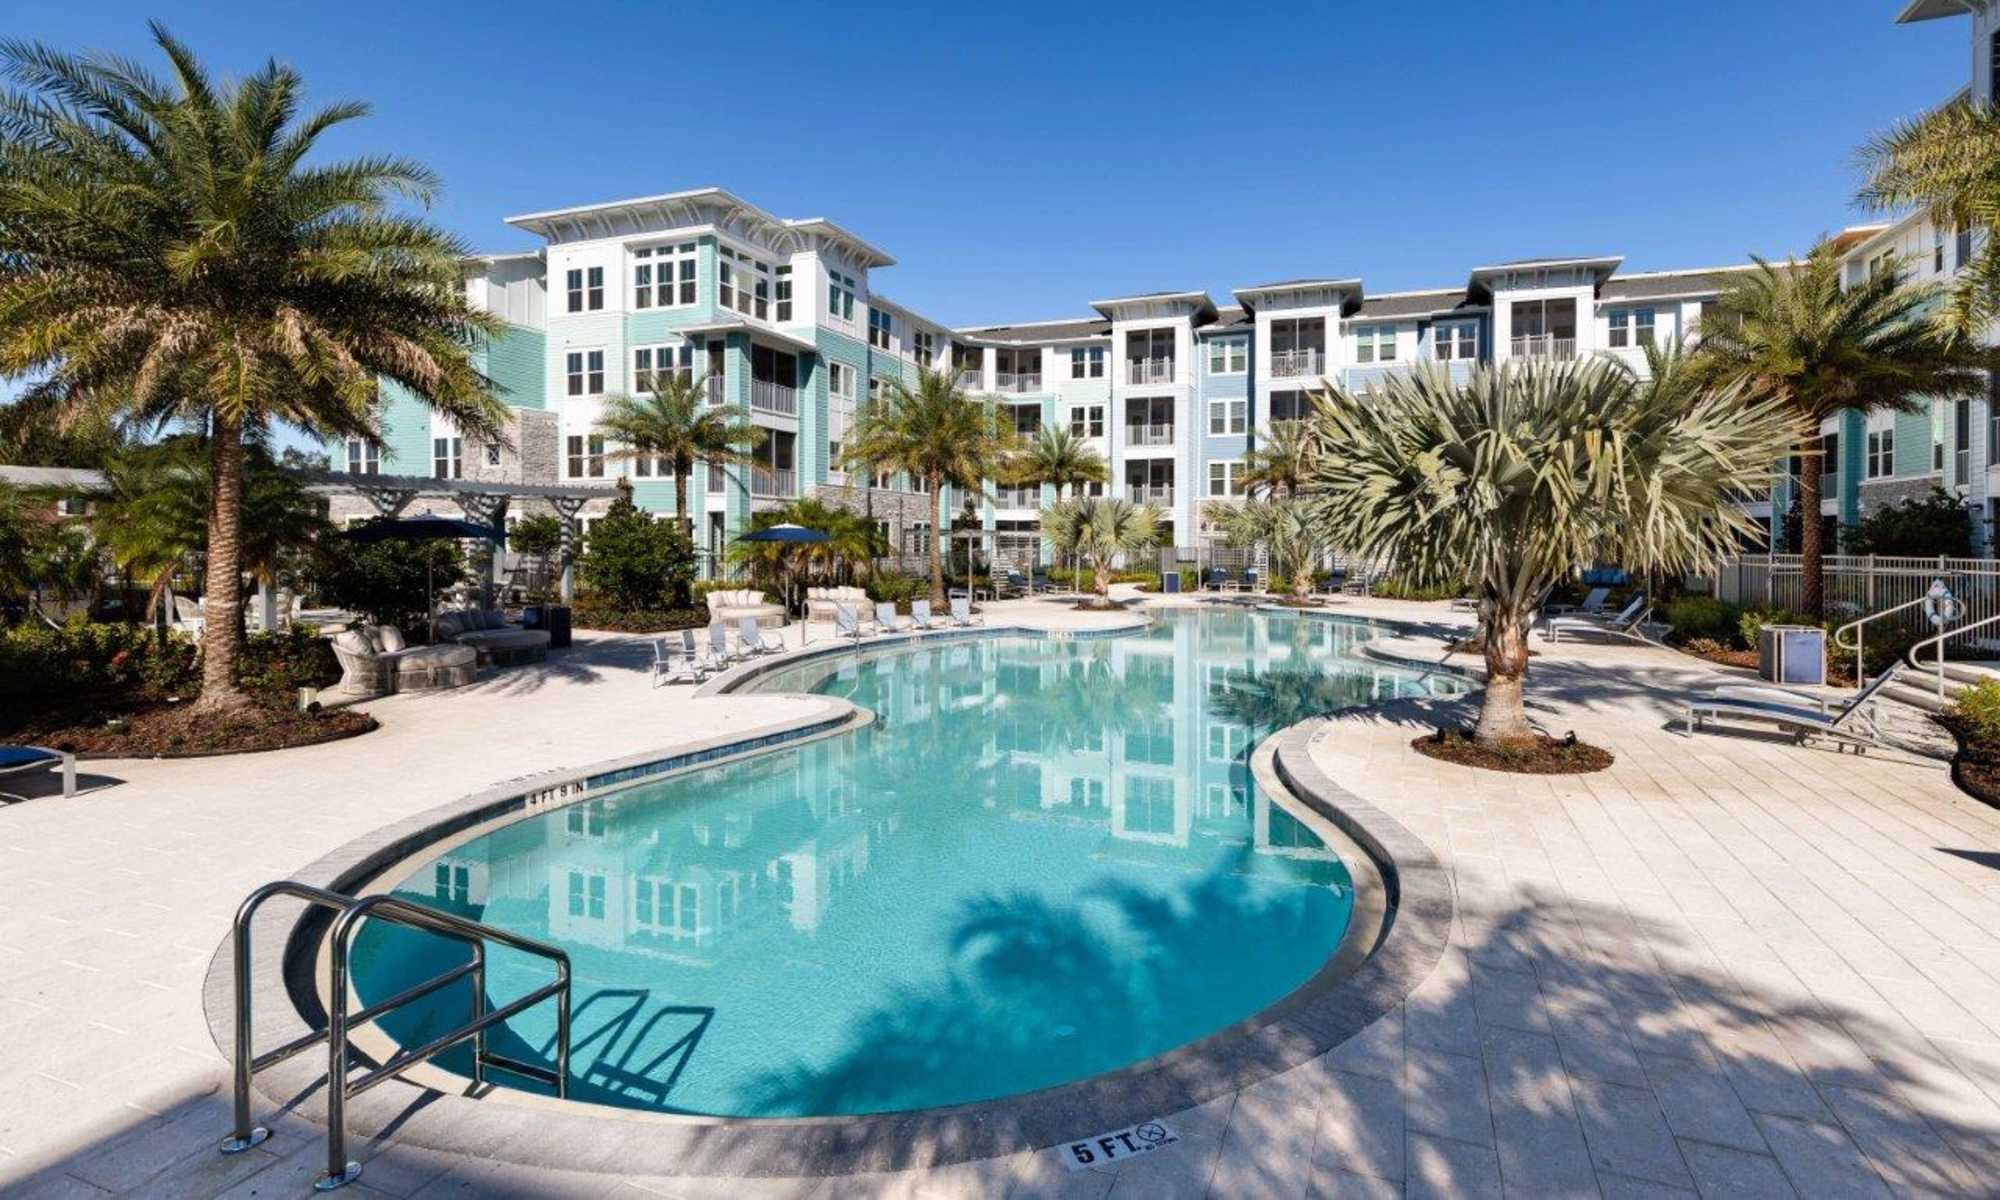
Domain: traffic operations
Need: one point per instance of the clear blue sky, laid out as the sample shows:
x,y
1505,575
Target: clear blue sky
x,y
1020,160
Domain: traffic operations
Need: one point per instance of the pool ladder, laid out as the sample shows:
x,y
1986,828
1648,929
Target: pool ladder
x,y
352,911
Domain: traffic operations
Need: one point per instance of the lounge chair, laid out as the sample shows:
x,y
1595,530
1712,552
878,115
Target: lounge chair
x,y
1807,716
1216,580
718,645
845,623
1629,623
920,615
751,638
678,667
887,620
1039,581
1593,604
1016,585
704,657
961,612
28,760
1250,580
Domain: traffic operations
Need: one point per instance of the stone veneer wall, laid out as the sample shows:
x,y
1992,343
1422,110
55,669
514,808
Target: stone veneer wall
x,y
1884,492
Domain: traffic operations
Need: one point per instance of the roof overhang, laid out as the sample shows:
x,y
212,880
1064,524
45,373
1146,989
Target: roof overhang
x,y
1349,290
53,479
1199,305
1931,10
1479,282
719,207
728,325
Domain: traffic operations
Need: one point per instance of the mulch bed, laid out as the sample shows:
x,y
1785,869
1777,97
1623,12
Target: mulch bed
x,y
1544,756
1839,668
176,731
1976,766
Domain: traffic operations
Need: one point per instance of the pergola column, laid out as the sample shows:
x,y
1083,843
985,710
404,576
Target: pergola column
x,y
487,508
567,508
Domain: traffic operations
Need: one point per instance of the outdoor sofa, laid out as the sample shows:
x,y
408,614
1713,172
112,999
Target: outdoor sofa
x,y
375,661
496,639
822,601
730,607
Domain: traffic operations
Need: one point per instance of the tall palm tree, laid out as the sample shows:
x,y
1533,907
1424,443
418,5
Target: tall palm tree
x,y
1947,163
940,436
172,256
1796,336
1283,525
1526,472
1281,461
673,421
1098,529
1057,456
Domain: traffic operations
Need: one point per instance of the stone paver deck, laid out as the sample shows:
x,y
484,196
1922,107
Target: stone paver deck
x,y
1727,965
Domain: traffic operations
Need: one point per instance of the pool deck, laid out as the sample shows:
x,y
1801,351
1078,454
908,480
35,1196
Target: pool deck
x,y
1727,964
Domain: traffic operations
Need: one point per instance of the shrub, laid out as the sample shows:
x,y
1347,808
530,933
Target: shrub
x,y
1978,709
540,535
1704,618
889,588
593,613
1396,588
84,665
632,562
1753,619
286,660
1706,647
1936,523
388,582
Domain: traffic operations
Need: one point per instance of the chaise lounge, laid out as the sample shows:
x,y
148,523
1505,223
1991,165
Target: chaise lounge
x,y
374,661
495,639
28,760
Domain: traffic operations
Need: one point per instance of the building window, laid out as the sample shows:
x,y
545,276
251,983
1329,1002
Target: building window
x,y
493,456
1086,362
742,283
1962,248
1087,420
924,346
879,327
1228,416
840,385
573,288
1375,343
584,370
663,276
586,456
586,895
1457,340
1881,453
1225,478
651,362
877,387
1288,406
1228,356
447,458
840,296
1631,327
783,303
363,457
1937,249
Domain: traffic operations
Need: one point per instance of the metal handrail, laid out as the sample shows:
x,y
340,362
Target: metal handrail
x,y
1861,637
1938,640
393,910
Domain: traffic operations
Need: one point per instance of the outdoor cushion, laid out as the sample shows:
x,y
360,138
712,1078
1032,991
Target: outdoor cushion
x,y
354,641
389,638
19,756
450,624
493,618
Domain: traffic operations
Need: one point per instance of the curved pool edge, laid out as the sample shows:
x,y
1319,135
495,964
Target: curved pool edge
x,y
1370,972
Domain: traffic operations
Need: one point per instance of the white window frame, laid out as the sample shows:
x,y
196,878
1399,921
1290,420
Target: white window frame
x,y
448,457
840,296
923,346
1225,477
647,361
583,372
881,328
1371,341
1455,341
1228,415
669,269
746,280
1233,353
1630,328
1086,420
363,457
1880,458
583,456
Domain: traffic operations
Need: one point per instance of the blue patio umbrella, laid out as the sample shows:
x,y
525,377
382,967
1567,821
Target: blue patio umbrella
x,y
423,529
786,533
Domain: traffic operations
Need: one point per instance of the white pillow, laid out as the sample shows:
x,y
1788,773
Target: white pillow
x,y
390,639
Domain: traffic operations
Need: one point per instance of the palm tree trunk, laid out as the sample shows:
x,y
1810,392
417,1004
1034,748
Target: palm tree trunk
x,y
1503,717
1812,554
1302,585
936,486
223,588
1100,580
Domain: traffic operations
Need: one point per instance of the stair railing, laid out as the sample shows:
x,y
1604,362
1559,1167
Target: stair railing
x,y
1910,656
1860,629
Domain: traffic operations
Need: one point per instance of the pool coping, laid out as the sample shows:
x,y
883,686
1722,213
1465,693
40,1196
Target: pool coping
x,y
1357,985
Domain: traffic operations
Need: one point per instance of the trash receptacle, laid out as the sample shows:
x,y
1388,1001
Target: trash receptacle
x,y
1170,582
556,620
1791,654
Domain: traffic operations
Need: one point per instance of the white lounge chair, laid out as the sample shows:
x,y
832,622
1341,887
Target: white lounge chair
x,y
1630,623
702,656
845,623
1593,604
751,638
1805,715
887,620
920,615
718,644
961,612
675,665
26,760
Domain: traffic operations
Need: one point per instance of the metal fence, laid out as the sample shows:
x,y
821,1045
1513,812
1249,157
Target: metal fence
x,y
1860,584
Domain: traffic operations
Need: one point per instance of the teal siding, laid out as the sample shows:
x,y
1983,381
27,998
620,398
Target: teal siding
x,y
1914,434
406,431
1853,445
516,360
813,422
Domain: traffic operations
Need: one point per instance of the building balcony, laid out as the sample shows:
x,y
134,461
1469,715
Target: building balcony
x,y
1542,345
1962,466
972,380
713,386
1019,381
767,481
1017,497
1150,493
1149,435
1294,364
1149,370
769,397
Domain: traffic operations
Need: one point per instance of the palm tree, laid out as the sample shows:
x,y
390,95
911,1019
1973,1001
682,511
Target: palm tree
x,y
1059,457
673,421
1524,473
1796,336
172,257
1284,526
852,542
937,434
1099,529
1281,461
1947,163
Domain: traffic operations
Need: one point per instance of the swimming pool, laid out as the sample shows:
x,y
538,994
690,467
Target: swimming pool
x,y
1045,860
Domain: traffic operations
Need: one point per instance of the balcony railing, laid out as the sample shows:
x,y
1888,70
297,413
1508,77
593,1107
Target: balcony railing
x,y
972,379
1020,381
1017,497
1149,435
1149,370
766,481
713,386
1150,493
716,479
1542,345
769,397
1829,485
1291,364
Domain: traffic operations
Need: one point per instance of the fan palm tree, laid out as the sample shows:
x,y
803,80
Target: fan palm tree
x,y
1281,461
673,421
1796,336
1947,163
1284,526
852,542
1098,529
1057,456
940,437
1525,472
172,257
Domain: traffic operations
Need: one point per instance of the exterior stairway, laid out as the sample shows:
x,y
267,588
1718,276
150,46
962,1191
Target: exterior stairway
x,y
1905,706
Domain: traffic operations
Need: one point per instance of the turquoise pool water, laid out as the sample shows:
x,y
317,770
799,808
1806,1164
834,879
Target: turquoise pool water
x,y
1045,861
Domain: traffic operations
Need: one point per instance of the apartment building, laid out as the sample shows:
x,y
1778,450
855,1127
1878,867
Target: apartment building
x,y
780,316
